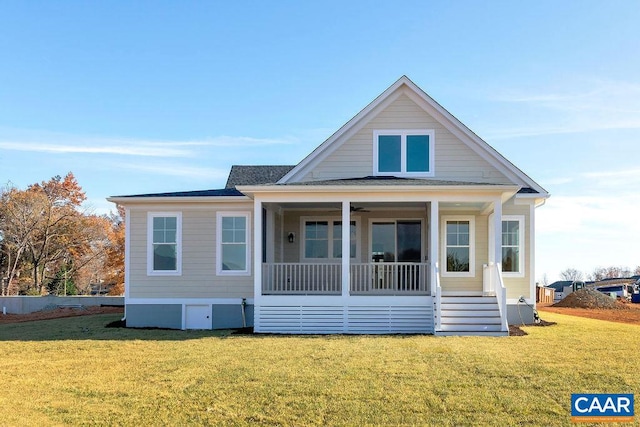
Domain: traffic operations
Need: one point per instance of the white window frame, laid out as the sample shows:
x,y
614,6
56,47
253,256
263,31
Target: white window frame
x,y
521,246
472,246
403,133
150,269
248,236
331,221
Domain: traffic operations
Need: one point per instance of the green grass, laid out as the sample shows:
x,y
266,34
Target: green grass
x,y
76,371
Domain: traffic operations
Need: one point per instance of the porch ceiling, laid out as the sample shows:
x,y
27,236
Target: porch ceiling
x,y
378,206
355,206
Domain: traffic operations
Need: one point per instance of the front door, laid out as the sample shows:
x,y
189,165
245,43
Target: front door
x,y
398,242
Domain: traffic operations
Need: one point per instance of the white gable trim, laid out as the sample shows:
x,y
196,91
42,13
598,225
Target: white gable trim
x,y
417,95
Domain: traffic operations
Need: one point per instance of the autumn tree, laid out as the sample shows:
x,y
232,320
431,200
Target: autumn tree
x,y
47,240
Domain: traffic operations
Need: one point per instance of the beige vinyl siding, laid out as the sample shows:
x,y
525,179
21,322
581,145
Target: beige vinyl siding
x,y
198,279
467,284
454,160
517,286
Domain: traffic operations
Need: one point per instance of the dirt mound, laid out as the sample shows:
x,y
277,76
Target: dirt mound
x,y
589,298
58,313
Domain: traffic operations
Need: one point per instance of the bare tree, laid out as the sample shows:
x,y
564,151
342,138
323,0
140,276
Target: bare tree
x,y
612,272
571,274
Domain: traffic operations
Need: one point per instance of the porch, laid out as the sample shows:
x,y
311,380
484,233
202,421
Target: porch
x,y
369,266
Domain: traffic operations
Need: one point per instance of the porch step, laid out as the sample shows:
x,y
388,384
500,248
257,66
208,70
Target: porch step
x,y
470,315
470,320
468,300
470,312
472,333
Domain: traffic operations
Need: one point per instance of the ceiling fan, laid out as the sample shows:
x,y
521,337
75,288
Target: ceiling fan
x,y
354,209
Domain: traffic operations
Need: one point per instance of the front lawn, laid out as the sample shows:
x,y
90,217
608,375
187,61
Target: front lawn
x,y
76,371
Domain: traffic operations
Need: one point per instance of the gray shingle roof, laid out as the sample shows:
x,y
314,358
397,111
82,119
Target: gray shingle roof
x,y
255,175
225,192
385,180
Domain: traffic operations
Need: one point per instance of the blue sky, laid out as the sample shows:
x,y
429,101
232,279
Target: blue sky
x,y
141,97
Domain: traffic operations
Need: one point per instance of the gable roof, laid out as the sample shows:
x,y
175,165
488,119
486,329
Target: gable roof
x,y
405,86
255,175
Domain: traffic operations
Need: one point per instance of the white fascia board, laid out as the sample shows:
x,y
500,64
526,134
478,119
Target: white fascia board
x,y
346,131
314,194
163,200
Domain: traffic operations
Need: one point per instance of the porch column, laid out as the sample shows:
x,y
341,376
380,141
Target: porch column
x,y
434,250
346,247
497,235
257,250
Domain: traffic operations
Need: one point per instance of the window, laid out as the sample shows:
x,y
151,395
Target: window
x,y
404,152
512,245
459,238
164,243
233,243
323,239
396,241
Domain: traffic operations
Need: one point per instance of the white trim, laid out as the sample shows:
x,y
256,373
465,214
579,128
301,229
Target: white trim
x,y
532,253
521,243
521,246
346,249
339,300
150,243
331,220
127,254
403,133
248,235
472,246
178,301
434,239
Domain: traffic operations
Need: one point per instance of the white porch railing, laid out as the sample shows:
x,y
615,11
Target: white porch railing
x,y
325,279
301,279
384,278
492,276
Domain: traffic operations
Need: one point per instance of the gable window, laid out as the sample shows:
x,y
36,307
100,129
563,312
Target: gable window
x,y
164,251
512,245
233,243
323,239
404,152
459,238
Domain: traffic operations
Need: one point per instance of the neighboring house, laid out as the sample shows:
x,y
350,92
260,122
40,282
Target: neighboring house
x,y
403,221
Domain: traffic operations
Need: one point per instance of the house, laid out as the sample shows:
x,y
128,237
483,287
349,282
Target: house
x,y
403,221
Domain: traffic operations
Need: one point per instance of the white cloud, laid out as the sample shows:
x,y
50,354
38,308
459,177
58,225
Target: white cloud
x,y
588,105
131,149
61,143
191,172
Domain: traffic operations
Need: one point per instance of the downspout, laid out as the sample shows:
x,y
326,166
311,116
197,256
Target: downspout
x,y
242,306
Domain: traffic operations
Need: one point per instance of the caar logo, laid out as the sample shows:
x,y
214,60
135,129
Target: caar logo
x,y
602,408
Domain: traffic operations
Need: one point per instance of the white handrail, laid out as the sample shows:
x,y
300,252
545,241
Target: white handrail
x,y
501,294
438,304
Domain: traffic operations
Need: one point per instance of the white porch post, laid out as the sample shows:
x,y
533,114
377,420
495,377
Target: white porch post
x,y
257,252
497,234
434,250
346,247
